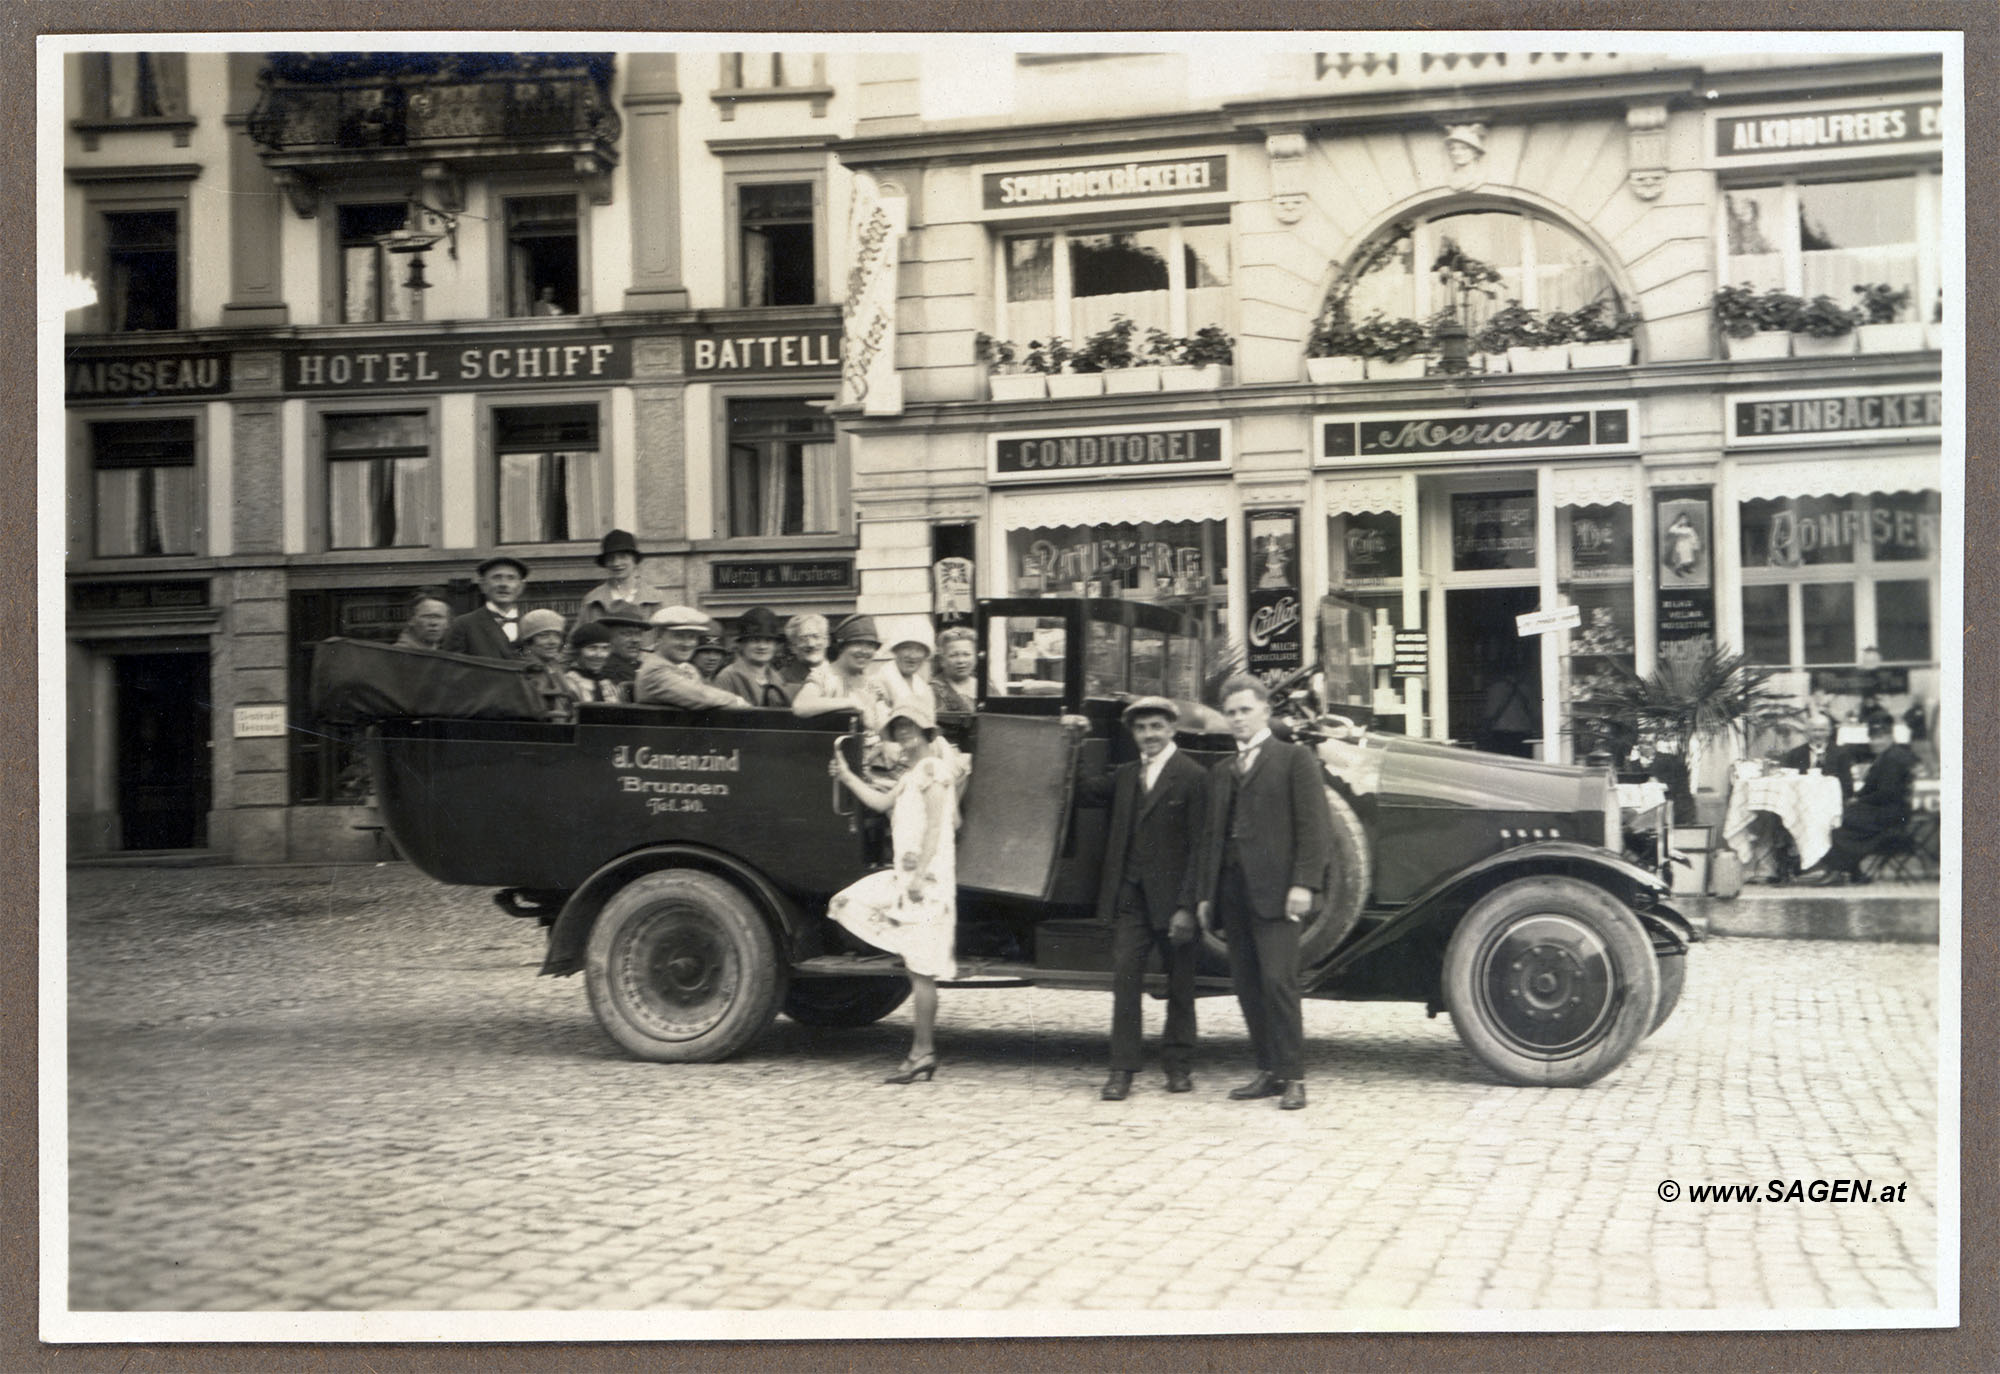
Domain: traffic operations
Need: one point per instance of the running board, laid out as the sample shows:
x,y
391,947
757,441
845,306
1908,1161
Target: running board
x,y
983,973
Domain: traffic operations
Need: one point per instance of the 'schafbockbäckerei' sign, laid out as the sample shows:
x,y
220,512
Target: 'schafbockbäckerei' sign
x,y
433,362
1856,127
1173,448
1597,429
1887,413
1014,190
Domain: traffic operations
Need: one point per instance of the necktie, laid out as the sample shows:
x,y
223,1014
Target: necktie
x,y
510,625
1244,758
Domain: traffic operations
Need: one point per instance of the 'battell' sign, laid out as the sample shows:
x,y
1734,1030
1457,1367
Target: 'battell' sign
x,y
1890,413
742,355
1483,431
431,362
1132,452
1797,131
1112,181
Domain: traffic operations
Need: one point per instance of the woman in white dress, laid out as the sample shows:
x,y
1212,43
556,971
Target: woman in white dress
x,y
911,907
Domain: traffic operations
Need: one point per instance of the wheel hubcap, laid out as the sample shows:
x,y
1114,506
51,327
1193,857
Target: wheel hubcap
x,y
676,972
1549,985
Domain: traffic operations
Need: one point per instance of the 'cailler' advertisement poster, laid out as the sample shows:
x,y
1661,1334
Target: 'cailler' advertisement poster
x,y
1277,626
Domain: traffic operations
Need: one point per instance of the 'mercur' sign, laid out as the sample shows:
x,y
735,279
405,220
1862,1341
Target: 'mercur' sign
x,y
1133,451
1592,430
1012,190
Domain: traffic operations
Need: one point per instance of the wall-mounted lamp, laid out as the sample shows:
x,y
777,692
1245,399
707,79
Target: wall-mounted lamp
x,y
423,226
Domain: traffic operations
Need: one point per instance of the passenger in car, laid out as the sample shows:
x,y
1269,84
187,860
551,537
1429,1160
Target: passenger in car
x,y
629,627
751,675
710,654
589,680
619,556
805,649
430,617
541,648
494,629
844,682
958,660
906,675
668,677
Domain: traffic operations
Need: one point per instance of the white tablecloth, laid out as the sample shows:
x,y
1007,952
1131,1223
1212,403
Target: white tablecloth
x,y
1806,804
1641,796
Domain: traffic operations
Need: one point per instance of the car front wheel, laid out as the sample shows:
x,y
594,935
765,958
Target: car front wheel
x,y
682,968
1550,982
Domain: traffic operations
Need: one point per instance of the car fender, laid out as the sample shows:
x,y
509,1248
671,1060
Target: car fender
x,y
571,931
1446,900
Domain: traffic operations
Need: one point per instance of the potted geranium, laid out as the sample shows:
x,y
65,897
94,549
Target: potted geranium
x,y
1532,341
1126,367
1069,374
1333,349
1754,324
1882,329
1601,334
1195,363
1824,328
1008,378
1393,347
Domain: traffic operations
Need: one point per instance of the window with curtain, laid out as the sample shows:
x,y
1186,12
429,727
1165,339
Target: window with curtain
x,y
1825,578
142,270
371,288
380,489
553,482
775,222
782,477
1172,277
1824,238
1542,264
544,270
143,480
136,85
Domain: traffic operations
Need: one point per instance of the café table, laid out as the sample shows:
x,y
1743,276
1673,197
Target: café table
x,y
1807,804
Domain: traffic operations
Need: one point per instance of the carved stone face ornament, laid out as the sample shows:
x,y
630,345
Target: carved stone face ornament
x,y
1465,145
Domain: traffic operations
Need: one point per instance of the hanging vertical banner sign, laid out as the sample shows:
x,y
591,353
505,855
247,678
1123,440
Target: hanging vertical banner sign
x,y
1277,624
951,588
868,312
1684,570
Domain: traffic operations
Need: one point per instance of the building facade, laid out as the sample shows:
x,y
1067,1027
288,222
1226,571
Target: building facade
x,y
1674,495
361,320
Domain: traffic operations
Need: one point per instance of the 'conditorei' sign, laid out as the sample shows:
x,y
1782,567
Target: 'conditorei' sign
x,y
1841,416
1594,429
1129,451
1014,190
431,362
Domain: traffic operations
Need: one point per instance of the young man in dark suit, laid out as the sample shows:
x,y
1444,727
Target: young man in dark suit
x,y
493,630
1158,807
1264,867
1881,805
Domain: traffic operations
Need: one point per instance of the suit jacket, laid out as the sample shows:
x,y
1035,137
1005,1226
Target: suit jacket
x,y
759,687
1284,831
1160,833
477,632
1884,798
1833,763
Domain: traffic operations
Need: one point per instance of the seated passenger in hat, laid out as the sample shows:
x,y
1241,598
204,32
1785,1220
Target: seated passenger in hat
x,y
630,629
541,647
805,649
668,677
953,683
710,654
494,630
430,618
846,682
620,557
589,676
751,676
907,674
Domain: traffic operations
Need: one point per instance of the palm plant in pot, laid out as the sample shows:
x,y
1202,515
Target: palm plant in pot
x,y
1009,377
1601,333
1882,328
1824,328
1755,324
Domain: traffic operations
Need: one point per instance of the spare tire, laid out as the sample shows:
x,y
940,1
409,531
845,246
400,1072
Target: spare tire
x,y
1339,908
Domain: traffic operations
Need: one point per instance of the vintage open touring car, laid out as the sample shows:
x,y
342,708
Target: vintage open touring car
x,y
683,860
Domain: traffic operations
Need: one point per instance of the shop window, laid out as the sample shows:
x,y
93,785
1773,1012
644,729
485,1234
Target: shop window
x,y
135,85
777,252
1491,531
1365,563
544,275
1541,264
1816,238
371,286
1179,564
783,473
1826,578
553,481
1594,574
1173,277
142,261
143,478
381,493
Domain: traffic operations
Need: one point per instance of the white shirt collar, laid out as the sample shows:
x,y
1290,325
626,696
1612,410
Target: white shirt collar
x,y
1157,762
1256,742
505,612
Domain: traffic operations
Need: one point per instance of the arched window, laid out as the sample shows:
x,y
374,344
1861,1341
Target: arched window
x,y
1541,264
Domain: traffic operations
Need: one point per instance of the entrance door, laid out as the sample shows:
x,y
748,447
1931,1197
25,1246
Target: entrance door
x,y
163,769
1496,676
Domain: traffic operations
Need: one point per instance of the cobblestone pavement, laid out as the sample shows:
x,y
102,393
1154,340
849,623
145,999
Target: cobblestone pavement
x,y
346,1088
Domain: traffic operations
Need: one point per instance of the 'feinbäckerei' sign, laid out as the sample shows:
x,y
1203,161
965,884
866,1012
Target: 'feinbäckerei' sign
x,y
1171,448
1481,431
1889,413
1108,181
1813,130
432,362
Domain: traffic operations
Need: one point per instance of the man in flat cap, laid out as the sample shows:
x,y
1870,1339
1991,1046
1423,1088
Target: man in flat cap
x,y
493,630
1158,807
667,676
629,628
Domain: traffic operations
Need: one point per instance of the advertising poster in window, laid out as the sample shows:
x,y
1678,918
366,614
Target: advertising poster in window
x,y
1492,530
1372,544
1597,544
1277,628
1684,572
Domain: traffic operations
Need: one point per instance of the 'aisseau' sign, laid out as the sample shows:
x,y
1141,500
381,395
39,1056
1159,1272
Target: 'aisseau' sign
x,y
1598,429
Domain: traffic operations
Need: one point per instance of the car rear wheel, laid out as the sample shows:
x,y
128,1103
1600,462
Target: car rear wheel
x,y
681,968
1340,906
844,1003
1673,976
1550,982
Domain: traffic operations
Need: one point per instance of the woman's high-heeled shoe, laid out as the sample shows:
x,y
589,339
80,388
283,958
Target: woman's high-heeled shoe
x,y
913,1069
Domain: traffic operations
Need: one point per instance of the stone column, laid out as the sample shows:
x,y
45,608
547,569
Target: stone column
x,y
652,164
256,213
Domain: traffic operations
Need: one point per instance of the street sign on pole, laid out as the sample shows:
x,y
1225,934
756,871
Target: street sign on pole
x,y
1541,622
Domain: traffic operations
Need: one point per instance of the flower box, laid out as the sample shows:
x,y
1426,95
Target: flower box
x,y
1068,385
1891,338
1496,363
1017,386
1765,343
1402,370
1813,346
1330,371
1551,359
1607,353
1191,378
1127,381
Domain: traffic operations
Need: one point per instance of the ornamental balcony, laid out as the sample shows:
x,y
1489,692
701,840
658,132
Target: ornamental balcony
x,y
323,118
